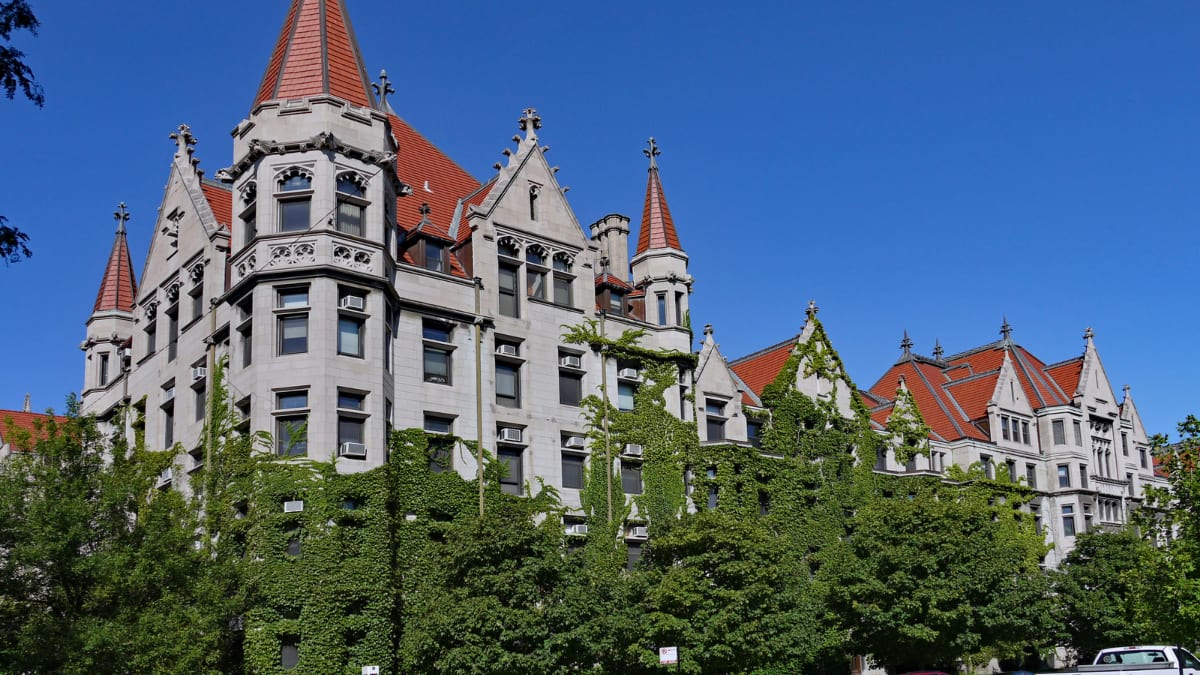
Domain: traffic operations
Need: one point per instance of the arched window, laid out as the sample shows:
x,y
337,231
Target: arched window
x,y
295,188
351,205
564,279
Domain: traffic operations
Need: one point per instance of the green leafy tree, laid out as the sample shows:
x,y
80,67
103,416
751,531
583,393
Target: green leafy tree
x,y
15,16
1098,586
1172,519
936,572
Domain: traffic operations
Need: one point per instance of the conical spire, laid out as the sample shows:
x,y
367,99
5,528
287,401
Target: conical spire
x,y
658,230
316,54
119,287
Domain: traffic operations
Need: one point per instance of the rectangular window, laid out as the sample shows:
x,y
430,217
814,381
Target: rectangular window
x,y
1064,476
562,291
625,395
289,653
247,345
293,334
201,400
572,470
435,256
197,303
293,215
1025,433
1078,432
1057,431
291,434
662,309
1083,476
716,429
508,384
616,303
350,336
633,556
250,218
1012,470
507,289
1004,427
679,309
754,433
1068,516
172,333
1142,457
292,298
1031,475
535,282
151,330
512,481
570,388
1124,444
712,488
631,478
103,375
350,218
436,424
168,425
437,365
440,449
350,433
989,470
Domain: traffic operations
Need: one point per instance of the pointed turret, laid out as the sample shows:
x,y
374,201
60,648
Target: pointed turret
x,y
658,229
118,288
316,54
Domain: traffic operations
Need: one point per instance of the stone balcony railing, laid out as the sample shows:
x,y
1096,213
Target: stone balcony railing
x,y
308,250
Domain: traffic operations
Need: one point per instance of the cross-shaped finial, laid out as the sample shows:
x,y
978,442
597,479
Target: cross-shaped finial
x,y
383,88
604,263
121,215
938,352
1006,330
1088,334
906,344
184,139
530,121
652,152
812,304
424,209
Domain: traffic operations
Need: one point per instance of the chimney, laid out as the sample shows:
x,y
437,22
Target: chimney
x,y
612,234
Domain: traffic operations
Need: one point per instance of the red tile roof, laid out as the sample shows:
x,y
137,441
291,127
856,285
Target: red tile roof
x,y
26,423
118,288
316,54
1066,374
762,367
220,200
607,279
658,229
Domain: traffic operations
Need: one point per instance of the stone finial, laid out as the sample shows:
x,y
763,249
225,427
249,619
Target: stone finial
x,y
708,330
1088,334
383,88
530,122
812,309
652,152
1125,389
938,352
121,216
28,408
184,139
906,344
1006,330
424,210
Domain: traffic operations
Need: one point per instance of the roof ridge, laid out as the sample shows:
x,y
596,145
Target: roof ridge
x,y
792,341
971,378
981,348
1064,362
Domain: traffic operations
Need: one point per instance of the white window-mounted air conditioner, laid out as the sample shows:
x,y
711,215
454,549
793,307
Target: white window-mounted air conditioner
x,y
628,373
511,435
353,450
506,350
199,373
632,450
639,532
294,506
574,442
570,361
356,302
577,528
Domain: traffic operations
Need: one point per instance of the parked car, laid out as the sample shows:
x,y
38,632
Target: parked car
x,y
1142,660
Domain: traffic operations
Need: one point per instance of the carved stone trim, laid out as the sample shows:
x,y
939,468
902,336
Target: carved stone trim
x,y
354,258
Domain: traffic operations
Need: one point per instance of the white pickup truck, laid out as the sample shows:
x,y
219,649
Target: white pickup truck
x,y
1142,660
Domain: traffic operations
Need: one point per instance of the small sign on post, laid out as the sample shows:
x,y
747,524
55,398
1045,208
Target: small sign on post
x,y
370,670
668,656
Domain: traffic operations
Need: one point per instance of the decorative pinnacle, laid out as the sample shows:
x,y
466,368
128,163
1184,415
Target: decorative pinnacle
x,y
938,352
1006,330
26,407
652,152
184,139
121,216
530,122
424,210
906,344
383,88
812,304
1088,334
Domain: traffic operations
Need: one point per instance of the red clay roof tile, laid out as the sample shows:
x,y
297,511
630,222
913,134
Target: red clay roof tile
x,y
220,200
761,368
658,228
118,287
27,422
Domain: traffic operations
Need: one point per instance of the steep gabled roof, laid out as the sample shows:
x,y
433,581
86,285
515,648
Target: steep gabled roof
x,y
220,200
23,423
118,287
436,179
316,54
761,368
658,228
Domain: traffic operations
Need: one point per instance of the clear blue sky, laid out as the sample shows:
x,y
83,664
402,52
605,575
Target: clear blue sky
x,y
929,166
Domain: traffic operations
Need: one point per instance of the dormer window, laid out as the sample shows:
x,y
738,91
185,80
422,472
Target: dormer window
x,y
351,203
435,256
616,303
295,198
